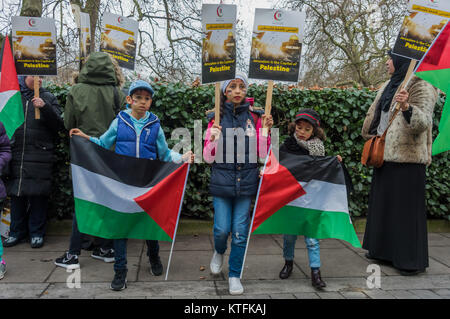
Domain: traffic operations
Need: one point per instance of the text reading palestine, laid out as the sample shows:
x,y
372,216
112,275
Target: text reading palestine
x,y
273,68
219,68
36,65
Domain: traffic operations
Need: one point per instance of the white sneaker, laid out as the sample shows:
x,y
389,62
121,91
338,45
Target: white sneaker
x,y
235,286
216,263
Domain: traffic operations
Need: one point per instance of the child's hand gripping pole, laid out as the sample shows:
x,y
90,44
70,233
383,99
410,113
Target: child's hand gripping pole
x,y
268,109
37,112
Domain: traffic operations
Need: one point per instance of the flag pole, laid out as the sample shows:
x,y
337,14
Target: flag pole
x,y
254,209
176,226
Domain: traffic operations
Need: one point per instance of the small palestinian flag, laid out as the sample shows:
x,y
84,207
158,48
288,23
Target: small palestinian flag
x,y
11,109
311,194
119,196
435,69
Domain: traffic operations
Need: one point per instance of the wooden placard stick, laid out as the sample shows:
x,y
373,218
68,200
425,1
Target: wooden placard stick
x,y
216,107
37,112
408,76
268,108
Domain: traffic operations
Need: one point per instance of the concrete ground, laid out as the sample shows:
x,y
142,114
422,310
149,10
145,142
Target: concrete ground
x,y
31,273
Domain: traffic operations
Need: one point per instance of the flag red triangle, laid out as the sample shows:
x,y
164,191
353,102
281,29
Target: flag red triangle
x,y
438,55
278,188
9,75
162,202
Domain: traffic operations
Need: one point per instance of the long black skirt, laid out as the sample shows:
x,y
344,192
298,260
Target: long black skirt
x,y
396,229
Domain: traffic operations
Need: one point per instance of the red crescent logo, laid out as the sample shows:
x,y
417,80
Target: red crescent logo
x,y
120,19
219,11
31,22
277,15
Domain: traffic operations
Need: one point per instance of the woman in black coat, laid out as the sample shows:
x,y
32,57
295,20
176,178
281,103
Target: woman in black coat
x,y
29,181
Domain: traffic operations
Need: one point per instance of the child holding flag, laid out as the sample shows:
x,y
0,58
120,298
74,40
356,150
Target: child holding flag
x,y
234,183
132,126
306,138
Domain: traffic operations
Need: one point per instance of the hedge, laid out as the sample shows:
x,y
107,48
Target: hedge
x,y
342,113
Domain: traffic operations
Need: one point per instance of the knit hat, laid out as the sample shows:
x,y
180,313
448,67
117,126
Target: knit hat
x,y
140,85
308,115
239,75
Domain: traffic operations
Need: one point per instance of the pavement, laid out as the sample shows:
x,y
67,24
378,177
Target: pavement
x,y
32,274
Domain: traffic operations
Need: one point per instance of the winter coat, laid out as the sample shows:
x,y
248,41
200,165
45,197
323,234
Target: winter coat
x,y
93,103
408,139
5,157
128,143
32,146
236,179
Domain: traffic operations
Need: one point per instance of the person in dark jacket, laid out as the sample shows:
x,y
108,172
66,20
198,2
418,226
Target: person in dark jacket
x,y
234,174
92,104
30,176
5,157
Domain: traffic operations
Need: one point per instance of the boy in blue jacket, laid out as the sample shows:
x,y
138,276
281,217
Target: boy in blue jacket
x,y
136,132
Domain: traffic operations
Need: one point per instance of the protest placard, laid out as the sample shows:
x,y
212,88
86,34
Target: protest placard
x,y
119,38
34,45
423,22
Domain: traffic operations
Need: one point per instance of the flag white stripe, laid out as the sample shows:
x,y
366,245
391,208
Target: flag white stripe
x,y
105,191
5,96
322,196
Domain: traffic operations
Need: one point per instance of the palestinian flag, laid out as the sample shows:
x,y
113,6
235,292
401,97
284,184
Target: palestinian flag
x,y
435,69
11,109
322,210
119,196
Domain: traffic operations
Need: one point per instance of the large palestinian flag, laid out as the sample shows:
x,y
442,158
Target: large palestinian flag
x,y
435,69
119,196
11,109
316,205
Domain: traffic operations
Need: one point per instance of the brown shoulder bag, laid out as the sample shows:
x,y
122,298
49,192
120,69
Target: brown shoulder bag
x,y
373,151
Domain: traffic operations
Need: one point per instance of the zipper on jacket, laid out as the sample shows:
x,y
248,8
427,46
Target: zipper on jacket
x,y
138,138
23,149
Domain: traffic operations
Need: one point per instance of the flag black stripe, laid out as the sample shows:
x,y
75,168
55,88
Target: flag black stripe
x,y
306,168
125,169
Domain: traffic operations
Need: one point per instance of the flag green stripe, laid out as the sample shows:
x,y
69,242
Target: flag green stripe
x,y
12,114
438,78
311,223
101,221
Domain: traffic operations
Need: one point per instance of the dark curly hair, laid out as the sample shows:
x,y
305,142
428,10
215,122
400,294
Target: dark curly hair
x,y
317,132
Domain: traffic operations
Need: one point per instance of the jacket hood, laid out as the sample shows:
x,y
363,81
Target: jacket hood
x,y
98,70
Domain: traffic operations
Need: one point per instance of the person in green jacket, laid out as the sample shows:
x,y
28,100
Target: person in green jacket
x,y
91,105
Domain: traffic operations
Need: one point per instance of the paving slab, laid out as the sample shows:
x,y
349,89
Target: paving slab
x,y
268,267
438,239
441,254
191,242
444,293
21,290
354,295
403,294
425,294
330,295
378,294
306,295
263,244
28,266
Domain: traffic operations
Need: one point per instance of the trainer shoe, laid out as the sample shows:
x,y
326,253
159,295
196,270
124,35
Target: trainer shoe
x,y
120,280
156,267
2,269
216,263
37,242
235,286
107,256
68,261
12,241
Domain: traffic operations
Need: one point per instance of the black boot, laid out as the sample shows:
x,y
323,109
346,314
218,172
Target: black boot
x,y
120,280
316,280
287,269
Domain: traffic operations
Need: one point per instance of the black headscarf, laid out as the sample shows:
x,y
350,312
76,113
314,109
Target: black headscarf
x,y
401,65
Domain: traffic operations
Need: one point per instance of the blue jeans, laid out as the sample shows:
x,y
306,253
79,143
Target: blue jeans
x,y
120,252
312,245
232,215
